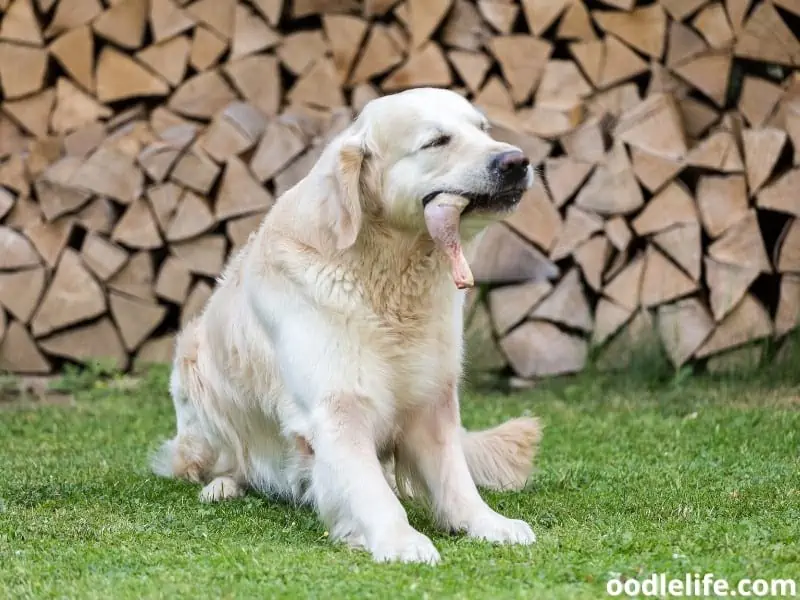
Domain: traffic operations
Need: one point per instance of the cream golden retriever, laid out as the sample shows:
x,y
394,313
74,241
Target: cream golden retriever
x,y
325,367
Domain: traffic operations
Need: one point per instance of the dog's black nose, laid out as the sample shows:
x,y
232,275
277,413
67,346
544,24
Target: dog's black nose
x,y
511,165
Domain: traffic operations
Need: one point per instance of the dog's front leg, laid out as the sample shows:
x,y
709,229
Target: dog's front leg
x,y
350,489
431,453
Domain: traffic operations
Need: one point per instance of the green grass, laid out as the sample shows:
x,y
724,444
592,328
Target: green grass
x,y
634,477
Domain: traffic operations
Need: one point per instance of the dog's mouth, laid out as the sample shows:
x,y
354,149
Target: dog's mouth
x,y
501,201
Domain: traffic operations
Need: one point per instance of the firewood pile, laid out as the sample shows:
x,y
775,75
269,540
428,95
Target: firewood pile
x,y
141,141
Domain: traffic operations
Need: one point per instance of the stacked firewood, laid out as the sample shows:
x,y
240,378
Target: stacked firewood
x,y
141,141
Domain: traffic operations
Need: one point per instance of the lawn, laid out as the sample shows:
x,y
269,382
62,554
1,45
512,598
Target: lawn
x,y
635,476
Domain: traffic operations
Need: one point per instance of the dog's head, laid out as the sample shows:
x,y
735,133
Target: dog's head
x,y
406,149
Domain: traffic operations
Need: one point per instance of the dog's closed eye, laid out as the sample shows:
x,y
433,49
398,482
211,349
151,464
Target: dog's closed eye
x,y
437,142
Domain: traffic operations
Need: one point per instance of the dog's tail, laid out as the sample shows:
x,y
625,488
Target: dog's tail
x,y
501,458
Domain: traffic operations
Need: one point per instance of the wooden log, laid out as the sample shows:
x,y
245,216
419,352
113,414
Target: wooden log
x,y
747,322
158,158
662,281
20,24
207,48
722,202
541,14
758,99
698,117
672,206
97,216
522,60
626,286
168,59
135,319
713,25
251,34
234,131
137,228
425,67
300,50
788,248
655,127
500,256
539,349
564,177
164,199
499,14
741,360
684,44
612,189
787,318
424,17
192,217
50,238
344,33
618,233
636,341
562,86
549,123
718,152
55,191
536,218
196,301
156,351
579,226
238,230
614,101
12,139
762,149
280,144
219,15
727,285
609,319
72,296
767,38
71,14
74,108
21,291
195,170
22,69
119,77
19,354
109,172
379,55
318,87
709,73
575,24
240,193
495,99
510,304
33,112
204,255
587,142
173,282
566,304
202,96
592,256
75,52
644,29
257,79
123,23
742,245
135,278
103,258
99,340
464,28
18,252
683,327
683,244
782,195
85,140
168,19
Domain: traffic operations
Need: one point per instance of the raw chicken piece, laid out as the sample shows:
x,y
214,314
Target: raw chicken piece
x,y
442,217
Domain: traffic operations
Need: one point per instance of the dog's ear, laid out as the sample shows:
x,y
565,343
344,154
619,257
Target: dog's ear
x,y
344,200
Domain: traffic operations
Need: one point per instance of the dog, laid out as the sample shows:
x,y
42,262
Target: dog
x,y
325,367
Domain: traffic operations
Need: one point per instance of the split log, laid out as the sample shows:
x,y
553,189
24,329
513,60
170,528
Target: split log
x,y
164,200
684,44
612,189
345,34
280,144
169,58
159,158
123,23
426,67
767,38
564,177
788,248
536,218
18,252
119,77
712,23
787,318
566,304
562,86
782,195
234,131
102,257
709,73
653,171
592,257
192,217
471,67
379,55
747,322
722,202
672,206
20,24
501,256
204,255
609,319
645,29
522,60
683,327
207,48
575,24
239,230
73,296
655,127
196,301
539,349
19,354
587,142
240,193
135,319
740,360
22,70
742,245
510,304
662,281
135,278
70,14
202,96
109,172
758,100
541,14
499,14
157,351
168,19
626,287
173,282
97,216
33,112
55,191
251,34
719,152
579,226
682,244
99,340
138,228
762,149
257,79
195,170
219,15
20,292
727,285
74,108
50,238
618,233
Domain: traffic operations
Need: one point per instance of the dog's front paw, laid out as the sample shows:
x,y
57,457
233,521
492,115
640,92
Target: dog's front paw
x,y
497,528
408,546
221,488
